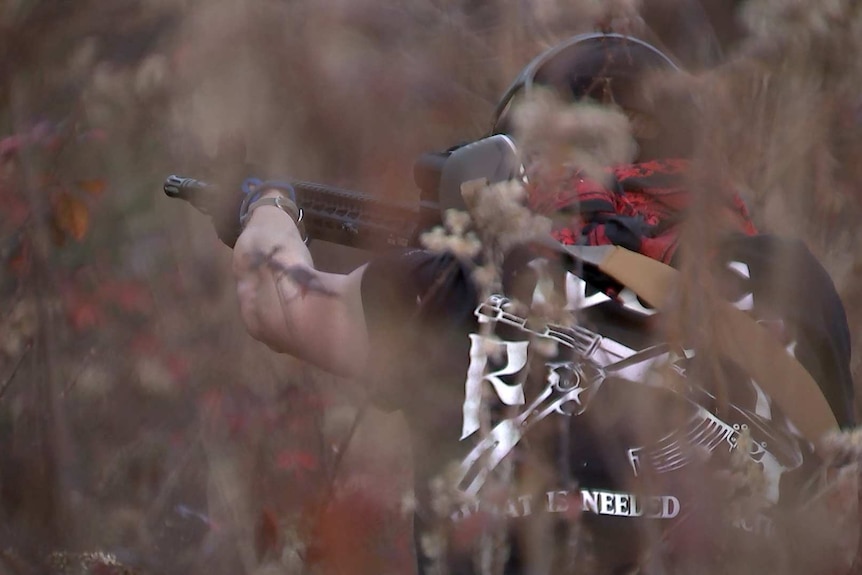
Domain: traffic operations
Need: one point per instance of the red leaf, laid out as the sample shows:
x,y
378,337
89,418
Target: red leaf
x,y
347,536
83,315
71,216
178,367
94,187
129,295
53,143
97,135
132,297
290,460
11,145
144,344
19,263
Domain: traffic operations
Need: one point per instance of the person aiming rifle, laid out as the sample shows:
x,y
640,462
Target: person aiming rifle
x,y
587,423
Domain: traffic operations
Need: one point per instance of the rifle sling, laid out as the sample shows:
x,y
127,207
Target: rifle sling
x,y
741,338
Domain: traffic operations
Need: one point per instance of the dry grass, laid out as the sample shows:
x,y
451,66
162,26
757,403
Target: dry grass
x,y
178,471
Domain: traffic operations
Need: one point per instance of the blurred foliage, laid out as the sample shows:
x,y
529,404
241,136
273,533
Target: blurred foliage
x,y
141,430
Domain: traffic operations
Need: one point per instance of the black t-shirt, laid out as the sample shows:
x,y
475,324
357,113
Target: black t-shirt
x,y
522,429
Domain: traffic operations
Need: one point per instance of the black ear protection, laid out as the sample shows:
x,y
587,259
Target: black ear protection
x,y
582,66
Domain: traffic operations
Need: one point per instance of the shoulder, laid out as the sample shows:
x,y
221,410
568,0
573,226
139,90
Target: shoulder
x,y
778,278
786,277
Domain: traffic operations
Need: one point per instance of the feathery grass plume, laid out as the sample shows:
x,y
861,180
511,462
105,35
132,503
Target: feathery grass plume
x,y
842,447
454,236
501,219
747,485
497,220
786,110
351,91
824,531
809,132
561,135
781,122
446,500
776,127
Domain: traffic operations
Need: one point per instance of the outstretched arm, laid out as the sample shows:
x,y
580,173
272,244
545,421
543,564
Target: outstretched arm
x,y
290,306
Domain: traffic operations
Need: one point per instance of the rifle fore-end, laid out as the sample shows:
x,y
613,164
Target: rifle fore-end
x,y
362,221
336,215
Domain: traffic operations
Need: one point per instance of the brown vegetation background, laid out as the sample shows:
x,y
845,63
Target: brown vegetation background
x,y
137,418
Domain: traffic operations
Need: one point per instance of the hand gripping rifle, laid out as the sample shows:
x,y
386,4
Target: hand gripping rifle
x,y
363,221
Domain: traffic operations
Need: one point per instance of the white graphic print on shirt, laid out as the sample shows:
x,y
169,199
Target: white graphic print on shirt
x,y
568,387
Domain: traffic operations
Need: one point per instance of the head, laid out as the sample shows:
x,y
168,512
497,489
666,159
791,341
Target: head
x,y
607,69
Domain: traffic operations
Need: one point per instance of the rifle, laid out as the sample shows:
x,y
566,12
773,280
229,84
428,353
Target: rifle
x,y
360,220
